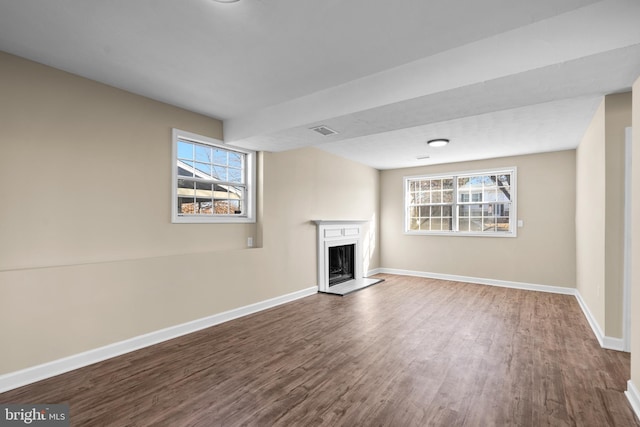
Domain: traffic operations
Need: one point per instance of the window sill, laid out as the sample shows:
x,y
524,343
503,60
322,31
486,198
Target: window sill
x,y
212,220
459,234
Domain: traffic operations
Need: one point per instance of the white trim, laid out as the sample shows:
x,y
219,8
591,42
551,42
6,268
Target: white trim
x,y
606,342
481,281
250,184
628,270
338,233
513,209
47,370
373,272
597,331
633,396
610,343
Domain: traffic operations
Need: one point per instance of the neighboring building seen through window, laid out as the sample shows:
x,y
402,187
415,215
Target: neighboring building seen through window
x,y
212,182
468,203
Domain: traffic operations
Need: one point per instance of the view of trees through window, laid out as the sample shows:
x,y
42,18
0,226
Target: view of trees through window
x,y
467,203
210,180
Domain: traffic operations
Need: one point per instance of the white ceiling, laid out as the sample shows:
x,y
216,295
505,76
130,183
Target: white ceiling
x,y
497,77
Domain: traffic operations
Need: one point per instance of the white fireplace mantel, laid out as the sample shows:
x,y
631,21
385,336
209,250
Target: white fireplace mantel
x,y
333,233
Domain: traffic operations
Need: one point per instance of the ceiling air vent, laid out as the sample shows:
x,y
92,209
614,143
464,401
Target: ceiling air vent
x,y
324,130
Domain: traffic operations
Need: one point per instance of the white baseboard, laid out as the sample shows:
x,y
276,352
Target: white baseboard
x,y
481,281
595,327
373,272
634,397
47,370
609,343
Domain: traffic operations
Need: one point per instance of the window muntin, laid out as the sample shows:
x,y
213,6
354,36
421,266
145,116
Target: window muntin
x,y
467,203
212,182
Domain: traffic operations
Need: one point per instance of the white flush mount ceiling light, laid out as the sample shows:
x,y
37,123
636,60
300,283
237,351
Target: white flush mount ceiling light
x,y
226,1
439,142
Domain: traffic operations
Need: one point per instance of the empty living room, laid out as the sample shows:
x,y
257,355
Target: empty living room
x,y
320,213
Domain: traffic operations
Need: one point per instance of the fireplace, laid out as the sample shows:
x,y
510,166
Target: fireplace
x,y
341,253
341,264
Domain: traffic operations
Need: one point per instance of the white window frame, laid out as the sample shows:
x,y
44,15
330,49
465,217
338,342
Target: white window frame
x,y
454,218
249,216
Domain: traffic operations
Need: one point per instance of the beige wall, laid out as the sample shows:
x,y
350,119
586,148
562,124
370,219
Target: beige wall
x,y
590,220
88,255
618,118
600,212
542,253
635,240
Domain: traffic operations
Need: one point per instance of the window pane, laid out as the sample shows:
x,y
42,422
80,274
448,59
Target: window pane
x,y
503,196
186,188
463,224
447,196
220,172
185,150
204,190
436,211
475,224
203,169
504,186
203,206
235,175
436,197
185,168
447,184
203,154
489,224
475,182
446,210
490,196
220,157
228,207
235,207
236,193
221,207
185,205
446,224
235,160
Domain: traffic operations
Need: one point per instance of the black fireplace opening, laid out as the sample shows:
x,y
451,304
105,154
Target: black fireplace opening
x,y
341,264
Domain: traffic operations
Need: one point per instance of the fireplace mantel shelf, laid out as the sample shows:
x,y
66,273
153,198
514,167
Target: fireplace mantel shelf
x,y
335,221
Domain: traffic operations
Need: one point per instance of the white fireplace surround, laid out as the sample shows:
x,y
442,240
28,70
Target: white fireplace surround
x,y
338,233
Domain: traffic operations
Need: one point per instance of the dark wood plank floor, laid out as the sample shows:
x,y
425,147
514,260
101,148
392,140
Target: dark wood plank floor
x,y
406,352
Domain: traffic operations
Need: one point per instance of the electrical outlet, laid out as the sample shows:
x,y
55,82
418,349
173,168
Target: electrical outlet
x,y
250,242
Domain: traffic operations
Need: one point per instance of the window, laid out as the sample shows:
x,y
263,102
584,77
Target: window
x,y
212,182
466,203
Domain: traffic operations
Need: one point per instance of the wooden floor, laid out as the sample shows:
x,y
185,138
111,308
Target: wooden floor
x,y
406,352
